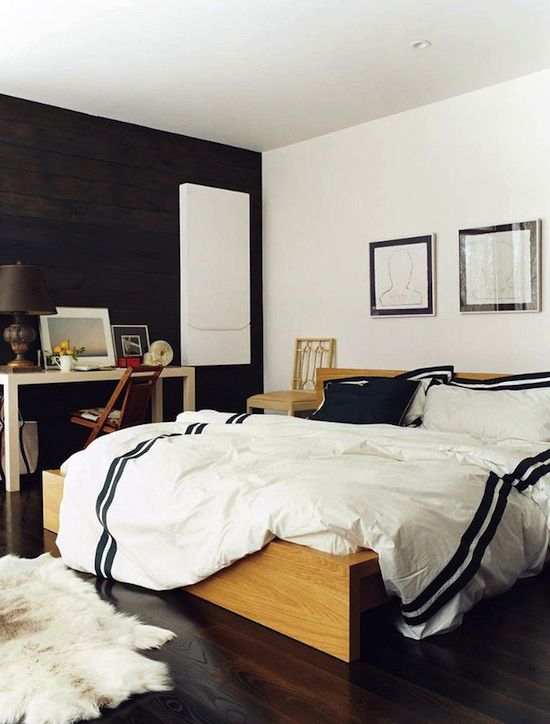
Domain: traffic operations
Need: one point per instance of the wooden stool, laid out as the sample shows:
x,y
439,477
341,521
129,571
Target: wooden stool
x,y
309,355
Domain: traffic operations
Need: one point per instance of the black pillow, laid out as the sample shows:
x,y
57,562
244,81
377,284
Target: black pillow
x,y
380,400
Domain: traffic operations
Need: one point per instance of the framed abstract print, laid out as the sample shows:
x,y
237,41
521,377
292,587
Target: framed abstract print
x,y
500,268
130,340
402,277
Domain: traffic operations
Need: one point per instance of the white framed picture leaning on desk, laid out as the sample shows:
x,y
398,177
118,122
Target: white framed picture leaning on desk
x,y
87,328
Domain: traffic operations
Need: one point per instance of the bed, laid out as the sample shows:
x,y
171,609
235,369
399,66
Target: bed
x,y
313,596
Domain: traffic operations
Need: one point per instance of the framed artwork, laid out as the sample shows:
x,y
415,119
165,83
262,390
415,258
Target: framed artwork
x,y
87,327
402,277
130,340
500,268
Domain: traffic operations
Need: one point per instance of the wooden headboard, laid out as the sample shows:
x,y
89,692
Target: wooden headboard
x,y
334,373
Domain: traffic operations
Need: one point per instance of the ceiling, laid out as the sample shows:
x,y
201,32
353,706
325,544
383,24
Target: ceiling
x,y
263,73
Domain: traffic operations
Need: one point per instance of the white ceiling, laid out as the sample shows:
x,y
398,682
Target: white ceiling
x,y
263,73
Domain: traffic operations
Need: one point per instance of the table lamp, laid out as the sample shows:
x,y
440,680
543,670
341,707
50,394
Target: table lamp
x,y
23,293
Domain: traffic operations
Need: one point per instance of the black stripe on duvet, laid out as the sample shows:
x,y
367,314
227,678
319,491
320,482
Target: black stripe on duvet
x,y
473,566
106,497
243,418
533,478
113,547
462,551
517,477
101,498
507,482
237,419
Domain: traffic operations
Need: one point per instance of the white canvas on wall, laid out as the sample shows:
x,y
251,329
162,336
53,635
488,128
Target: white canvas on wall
x,y
215,275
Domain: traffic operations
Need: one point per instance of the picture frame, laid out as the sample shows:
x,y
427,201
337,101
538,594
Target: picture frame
x,y
88,327
130,340
402,277
500,268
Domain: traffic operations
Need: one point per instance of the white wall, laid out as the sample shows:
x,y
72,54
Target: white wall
x,y
478,159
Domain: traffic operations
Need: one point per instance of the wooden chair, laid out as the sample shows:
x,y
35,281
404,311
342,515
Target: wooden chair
x,y
309,355
135,392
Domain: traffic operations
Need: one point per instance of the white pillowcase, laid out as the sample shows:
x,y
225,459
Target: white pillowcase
x,y
418,404
489,414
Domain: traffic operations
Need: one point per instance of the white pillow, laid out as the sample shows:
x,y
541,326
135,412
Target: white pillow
x,y
426,376
489,414
415,410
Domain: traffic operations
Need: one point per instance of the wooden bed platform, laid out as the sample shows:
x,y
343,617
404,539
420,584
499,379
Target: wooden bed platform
x,y
316,598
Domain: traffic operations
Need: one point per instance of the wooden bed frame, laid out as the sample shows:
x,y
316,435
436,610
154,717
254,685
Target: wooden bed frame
x,y
316,598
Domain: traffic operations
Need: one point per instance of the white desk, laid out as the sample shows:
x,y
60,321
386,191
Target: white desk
x,y
12,381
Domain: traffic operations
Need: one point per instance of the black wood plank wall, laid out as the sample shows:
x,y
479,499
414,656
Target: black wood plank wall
x,y
94,202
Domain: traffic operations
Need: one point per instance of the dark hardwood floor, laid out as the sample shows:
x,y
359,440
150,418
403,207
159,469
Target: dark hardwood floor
x,y
496,667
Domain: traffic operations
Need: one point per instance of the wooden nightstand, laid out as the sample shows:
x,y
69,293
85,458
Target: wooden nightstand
x,y
289,401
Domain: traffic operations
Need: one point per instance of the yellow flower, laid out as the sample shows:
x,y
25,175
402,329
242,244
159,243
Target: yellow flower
x,y
64,344
57,349
70,351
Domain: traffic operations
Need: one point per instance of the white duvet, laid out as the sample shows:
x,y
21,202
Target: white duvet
x,y
452,519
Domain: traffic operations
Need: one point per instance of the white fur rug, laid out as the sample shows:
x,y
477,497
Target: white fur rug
x,y
65,653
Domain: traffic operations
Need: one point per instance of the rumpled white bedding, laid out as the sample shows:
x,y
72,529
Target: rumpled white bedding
x,y
166,505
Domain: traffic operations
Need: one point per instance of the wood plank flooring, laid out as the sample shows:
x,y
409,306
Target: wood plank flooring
x,y
496,667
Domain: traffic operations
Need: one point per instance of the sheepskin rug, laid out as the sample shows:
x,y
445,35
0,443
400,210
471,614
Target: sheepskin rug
x,y
64,652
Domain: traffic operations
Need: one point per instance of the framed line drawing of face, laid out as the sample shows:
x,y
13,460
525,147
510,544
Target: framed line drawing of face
x,y
402,277
500,268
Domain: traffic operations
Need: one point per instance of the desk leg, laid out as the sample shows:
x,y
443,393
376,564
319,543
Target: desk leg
x,y
189,391
11,436
157,413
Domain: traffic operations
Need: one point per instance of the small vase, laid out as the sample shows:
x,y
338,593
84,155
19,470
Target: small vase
x,y
65,363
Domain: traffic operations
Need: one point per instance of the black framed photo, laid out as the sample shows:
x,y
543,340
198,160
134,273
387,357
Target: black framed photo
x,y
500,268
402,277
130,340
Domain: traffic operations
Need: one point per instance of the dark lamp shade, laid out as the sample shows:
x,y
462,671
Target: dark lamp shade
x,y
23,290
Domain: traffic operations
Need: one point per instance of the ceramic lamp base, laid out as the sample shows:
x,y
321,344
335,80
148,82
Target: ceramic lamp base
x,y
20,363
20,336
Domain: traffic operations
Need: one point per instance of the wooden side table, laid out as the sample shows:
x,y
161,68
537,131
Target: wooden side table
x,y
289,401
